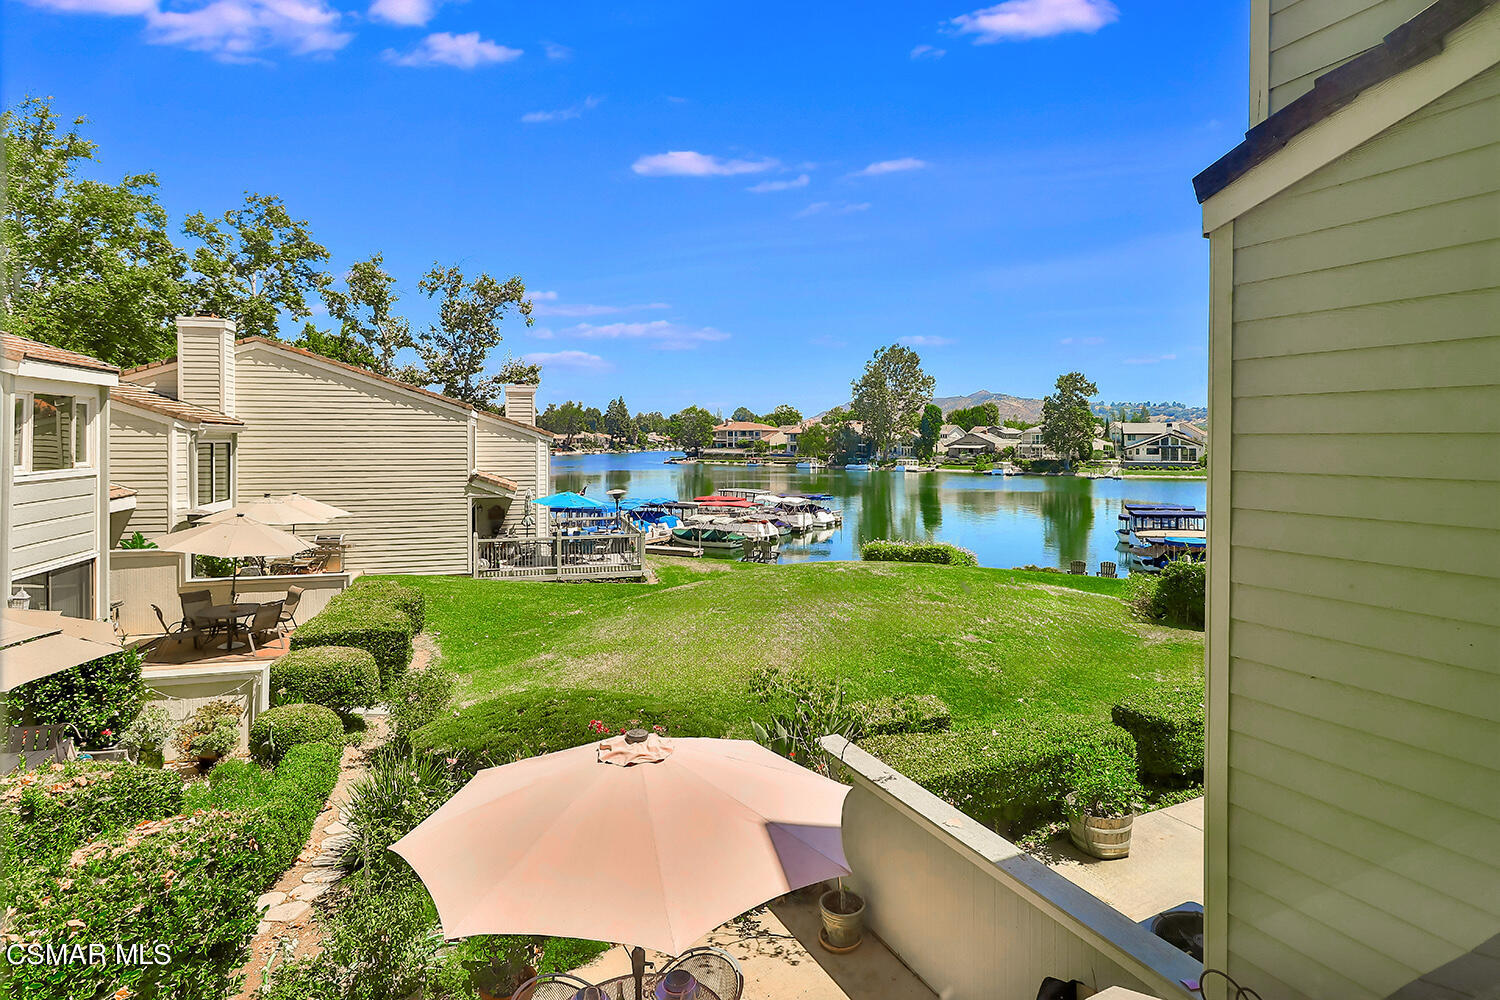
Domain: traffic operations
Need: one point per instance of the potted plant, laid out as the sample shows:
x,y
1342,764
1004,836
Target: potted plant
x,y
147,735
210,733
498,975
843,914
1102,804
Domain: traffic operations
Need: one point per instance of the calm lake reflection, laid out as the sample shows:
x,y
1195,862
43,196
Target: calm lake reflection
x,y
1006,520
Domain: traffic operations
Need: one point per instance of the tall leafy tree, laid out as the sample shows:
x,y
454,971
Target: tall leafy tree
x,y
970,417
1067,421
454,352
746,414
784,416
617,423
813,442
929,431
255,262
890,395
693,428
85,265
369,332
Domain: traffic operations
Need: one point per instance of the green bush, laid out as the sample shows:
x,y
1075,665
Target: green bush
x,y
367,618
98,699
418,697
1167,725
881,550
512,726
277,730
1180,594
62,805
1011,778
903,713
211,732
1103,783
403,595
342,678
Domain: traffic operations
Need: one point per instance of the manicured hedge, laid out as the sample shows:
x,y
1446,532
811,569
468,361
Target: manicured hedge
x,y
276,731
62,805
342,678
1012,777
367,618
1167,725
98,699
406,597
503,729
1180,592
881,550
188,882
903,713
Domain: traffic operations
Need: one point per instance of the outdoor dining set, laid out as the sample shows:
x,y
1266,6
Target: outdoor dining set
x,y
202,619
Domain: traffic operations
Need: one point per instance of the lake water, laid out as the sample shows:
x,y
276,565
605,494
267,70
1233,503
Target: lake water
x,y
1006,520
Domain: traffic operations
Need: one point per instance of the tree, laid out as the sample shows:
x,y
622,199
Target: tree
x,y
1142,415
454,352
813,442
369,335
746,414
653,423
693,428
1016,424
784,416
1067,421
617,420
929,431
845,445
890,395
759,446
836,417
84,265
983,415
253,263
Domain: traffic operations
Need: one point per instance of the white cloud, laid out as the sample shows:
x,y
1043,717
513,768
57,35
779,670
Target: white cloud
x,y
575,360
891,167
685,163
800,181
1149,361
821,207
928,52
408,13
660,334
443,48
926,340
1021,19
228,30
555,51
561,114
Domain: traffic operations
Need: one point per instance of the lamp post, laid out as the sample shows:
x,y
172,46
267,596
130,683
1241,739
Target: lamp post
x,y
617,494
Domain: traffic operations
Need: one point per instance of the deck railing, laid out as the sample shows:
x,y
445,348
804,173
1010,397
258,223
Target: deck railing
x,y
598,549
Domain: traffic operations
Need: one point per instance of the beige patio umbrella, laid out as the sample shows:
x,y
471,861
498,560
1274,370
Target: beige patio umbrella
x,y
639,840
234,537
290,508
35,644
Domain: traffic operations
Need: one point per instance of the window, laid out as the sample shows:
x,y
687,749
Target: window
x,y
51,432
215,465
80,432
18,425
69,590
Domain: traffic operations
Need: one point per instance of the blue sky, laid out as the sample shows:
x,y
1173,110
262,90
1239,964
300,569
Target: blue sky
x,y
715,204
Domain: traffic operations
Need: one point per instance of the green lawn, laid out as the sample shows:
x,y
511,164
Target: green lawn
x,y
992,643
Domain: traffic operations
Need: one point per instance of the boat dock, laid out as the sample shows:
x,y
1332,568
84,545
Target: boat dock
x,y
668,549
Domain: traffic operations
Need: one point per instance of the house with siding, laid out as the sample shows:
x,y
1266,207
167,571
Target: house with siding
x,y
419,473
741,433
1353,784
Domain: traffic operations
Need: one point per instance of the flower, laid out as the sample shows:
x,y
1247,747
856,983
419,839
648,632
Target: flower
x,y
791,754
123,993
108,732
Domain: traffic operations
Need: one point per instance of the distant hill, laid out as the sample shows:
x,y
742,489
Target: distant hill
x,y
1010,407
1164,410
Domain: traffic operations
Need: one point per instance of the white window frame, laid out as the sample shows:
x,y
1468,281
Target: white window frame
x,y
26,433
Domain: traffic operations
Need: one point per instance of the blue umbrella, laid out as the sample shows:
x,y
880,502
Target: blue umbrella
x,y
570,501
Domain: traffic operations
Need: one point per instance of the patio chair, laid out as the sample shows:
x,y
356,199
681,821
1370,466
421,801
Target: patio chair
x,y
266,621
289,606
1078,567
713,968
1107,569
188,628
554,986
37,744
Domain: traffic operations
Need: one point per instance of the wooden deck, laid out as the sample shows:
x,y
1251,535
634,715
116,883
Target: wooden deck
x,y
173,652
597,555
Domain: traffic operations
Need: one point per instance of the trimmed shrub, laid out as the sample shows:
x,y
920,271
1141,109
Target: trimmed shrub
x,y
1012,778
213,731
59,807
419,697
367,619
276,731
881,550
903,713
1180,593
342,678
504,729
1103,783
403,595
1167,725
98,698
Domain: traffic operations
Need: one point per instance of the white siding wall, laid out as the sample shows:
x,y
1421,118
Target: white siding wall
x,y
182,446
200,366
1310,37
53,521
397,463
138,459
1361,670
516,455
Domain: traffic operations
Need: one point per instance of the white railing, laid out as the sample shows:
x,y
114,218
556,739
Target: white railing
x,y
597,549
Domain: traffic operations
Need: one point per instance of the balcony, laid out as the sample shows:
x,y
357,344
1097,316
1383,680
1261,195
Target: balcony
x,y
581,548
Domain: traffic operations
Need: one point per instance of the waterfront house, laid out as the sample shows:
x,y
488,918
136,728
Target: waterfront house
x,y
1124,434
1354,597
1169,448
741,433
978,441
419,473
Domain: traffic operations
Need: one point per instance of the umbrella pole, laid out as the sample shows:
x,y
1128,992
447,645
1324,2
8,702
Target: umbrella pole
x,y
638,969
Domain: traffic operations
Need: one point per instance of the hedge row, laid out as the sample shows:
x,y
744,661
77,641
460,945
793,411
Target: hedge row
x,y
63,805
881,550
1167,725
342,678
380,617
189,882
1012,778
277,731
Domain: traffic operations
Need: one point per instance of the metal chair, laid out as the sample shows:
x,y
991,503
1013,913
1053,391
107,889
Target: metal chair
x,y
289,606
266,621
714,968
188,628
554,986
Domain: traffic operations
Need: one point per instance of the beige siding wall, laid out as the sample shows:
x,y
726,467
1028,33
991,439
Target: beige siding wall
x,y
138,459
516,455
53,521
1361,672
398,464
182,447
1310,37
162,380
199,365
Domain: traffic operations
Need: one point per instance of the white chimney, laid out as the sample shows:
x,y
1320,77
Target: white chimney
x,y
520,403
205,362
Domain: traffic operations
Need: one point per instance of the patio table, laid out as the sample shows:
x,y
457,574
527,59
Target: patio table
x,y
230,614
623,988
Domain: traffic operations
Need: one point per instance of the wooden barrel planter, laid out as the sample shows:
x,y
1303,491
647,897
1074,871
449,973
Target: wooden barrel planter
x,y
1100,837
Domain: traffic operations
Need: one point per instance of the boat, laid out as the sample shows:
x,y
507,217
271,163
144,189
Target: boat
x,y
1155,534
859,467
813,464
921,468
1135,514
707,538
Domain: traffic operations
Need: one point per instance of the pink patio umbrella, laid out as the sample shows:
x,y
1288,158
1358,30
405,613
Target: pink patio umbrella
x,y
639,840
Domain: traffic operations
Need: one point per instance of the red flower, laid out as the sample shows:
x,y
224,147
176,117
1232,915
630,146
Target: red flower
x,y
108,732
792,754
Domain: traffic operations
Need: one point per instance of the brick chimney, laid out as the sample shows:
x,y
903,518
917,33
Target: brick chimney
x,y
520,403
205,362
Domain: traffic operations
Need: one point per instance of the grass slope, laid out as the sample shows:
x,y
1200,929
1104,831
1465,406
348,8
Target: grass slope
x,y
991,643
